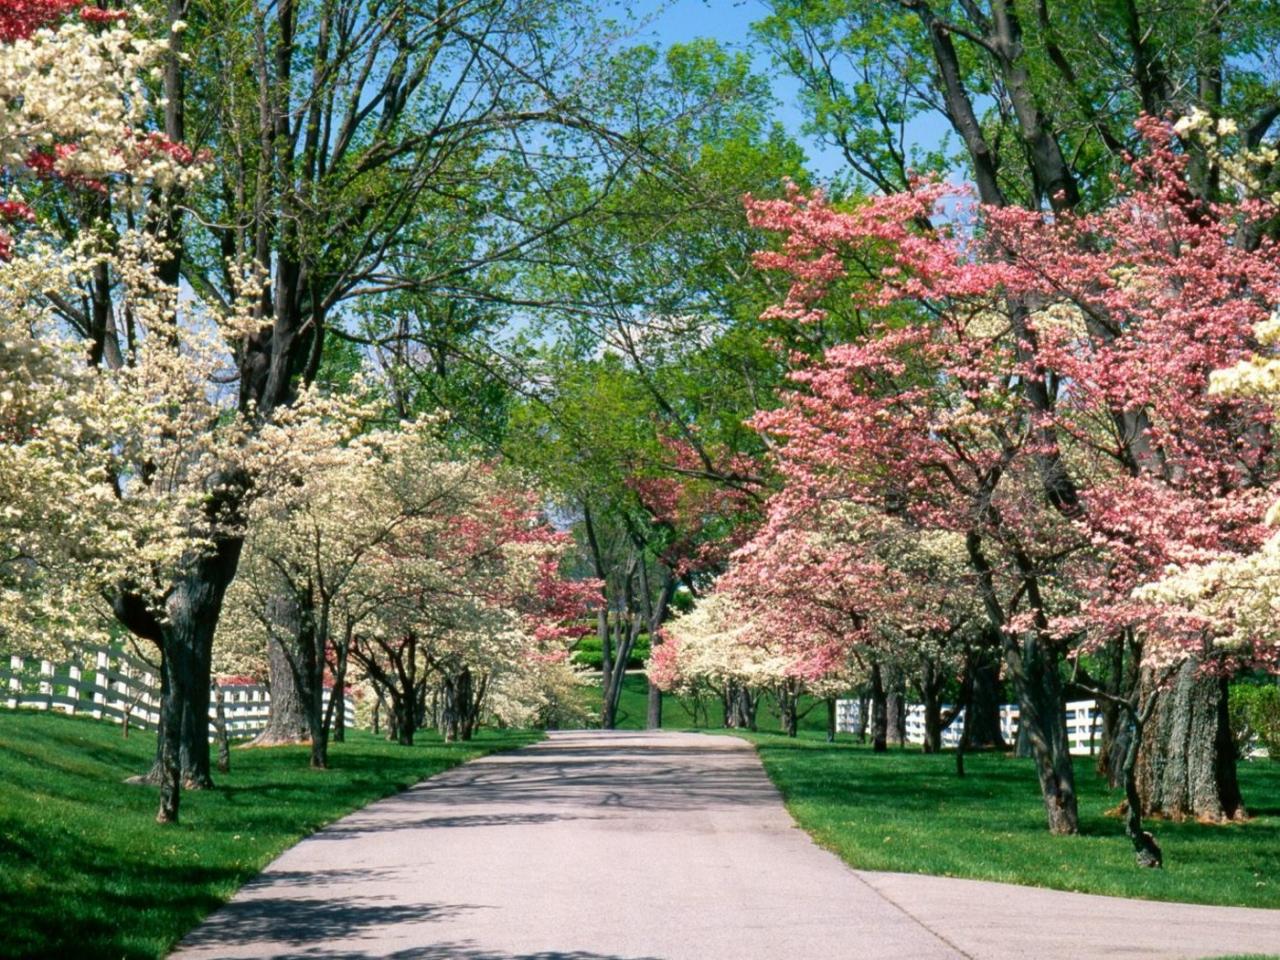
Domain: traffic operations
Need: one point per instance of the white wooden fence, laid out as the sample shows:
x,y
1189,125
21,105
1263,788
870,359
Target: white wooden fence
x,y
1084,723
108,684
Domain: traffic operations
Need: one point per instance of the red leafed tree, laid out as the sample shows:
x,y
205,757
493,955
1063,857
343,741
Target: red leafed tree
x,y
18,20
21,18
1038,385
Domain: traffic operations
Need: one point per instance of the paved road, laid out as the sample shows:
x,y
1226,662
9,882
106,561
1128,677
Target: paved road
x,y
626,846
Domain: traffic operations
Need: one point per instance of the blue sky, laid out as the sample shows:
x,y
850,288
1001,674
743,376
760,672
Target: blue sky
x,y
665,22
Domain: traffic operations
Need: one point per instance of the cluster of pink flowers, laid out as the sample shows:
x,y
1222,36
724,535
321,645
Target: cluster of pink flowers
x,y
1119,316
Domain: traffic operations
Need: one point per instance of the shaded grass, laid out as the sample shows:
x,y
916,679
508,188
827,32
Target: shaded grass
x,y
907,811
86,872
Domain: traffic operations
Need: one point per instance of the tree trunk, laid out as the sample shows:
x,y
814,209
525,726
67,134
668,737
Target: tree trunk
x,y
788,713
879,714
609,703
167,767
338,695
1121,681
449,718
895,707
930,693
1187,762
287,719
313,666
653,717
739,707
932,722
220,727
191,616
402,720
460,708
864,709
831,719
982,712
1146,850
1044,724
1022,744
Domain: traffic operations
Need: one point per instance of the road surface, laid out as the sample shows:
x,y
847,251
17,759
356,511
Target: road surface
x,y
600,845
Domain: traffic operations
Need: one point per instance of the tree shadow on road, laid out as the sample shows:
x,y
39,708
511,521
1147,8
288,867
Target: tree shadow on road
x,y
465,950
302,920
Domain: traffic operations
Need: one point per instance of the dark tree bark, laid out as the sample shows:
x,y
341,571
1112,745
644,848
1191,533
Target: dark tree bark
x,y
1146,850
864,716
1034,663
404,724
391,663
982,712
1187,762
739,707
879,712
170,782
788,708
1044,722
931,681
192,609
895,707
336,716
1022,743
1119,685
831,719
455,705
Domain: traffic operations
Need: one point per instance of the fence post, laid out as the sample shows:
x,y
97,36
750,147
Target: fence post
x,y
15,680
73,688
101,682
121,689
151,709
46,684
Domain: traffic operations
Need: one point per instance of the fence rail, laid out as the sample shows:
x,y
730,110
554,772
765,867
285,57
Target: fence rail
x,y
110,684
1084,723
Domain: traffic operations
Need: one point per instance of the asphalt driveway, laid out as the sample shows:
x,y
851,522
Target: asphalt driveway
x,y
600,845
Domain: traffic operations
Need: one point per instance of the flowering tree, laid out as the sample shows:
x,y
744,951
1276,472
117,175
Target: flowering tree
x,y
1039,389
449,582
156,459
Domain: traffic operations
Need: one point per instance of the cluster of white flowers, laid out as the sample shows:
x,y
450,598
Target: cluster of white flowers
x,y
713,648
1239,597
76,97
1242,166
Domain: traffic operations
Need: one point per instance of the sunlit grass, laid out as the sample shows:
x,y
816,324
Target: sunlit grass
x,y
86,872
906,811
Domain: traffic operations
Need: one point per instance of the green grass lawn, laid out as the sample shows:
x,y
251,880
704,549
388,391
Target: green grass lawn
x,y
86,872
906,811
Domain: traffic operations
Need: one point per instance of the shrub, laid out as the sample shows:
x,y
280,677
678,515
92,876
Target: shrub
x,y
1255,718
589,654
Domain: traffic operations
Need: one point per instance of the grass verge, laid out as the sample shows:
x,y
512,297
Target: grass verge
x,y
86,872
907,811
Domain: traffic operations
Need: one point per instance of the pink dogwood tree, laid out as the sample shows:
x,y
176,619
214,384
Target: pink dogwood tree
x,y
1037,385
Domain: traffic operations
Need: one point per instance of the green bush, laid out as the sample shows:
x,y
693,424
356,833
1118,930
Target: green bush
x,y
1255,716
589,654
